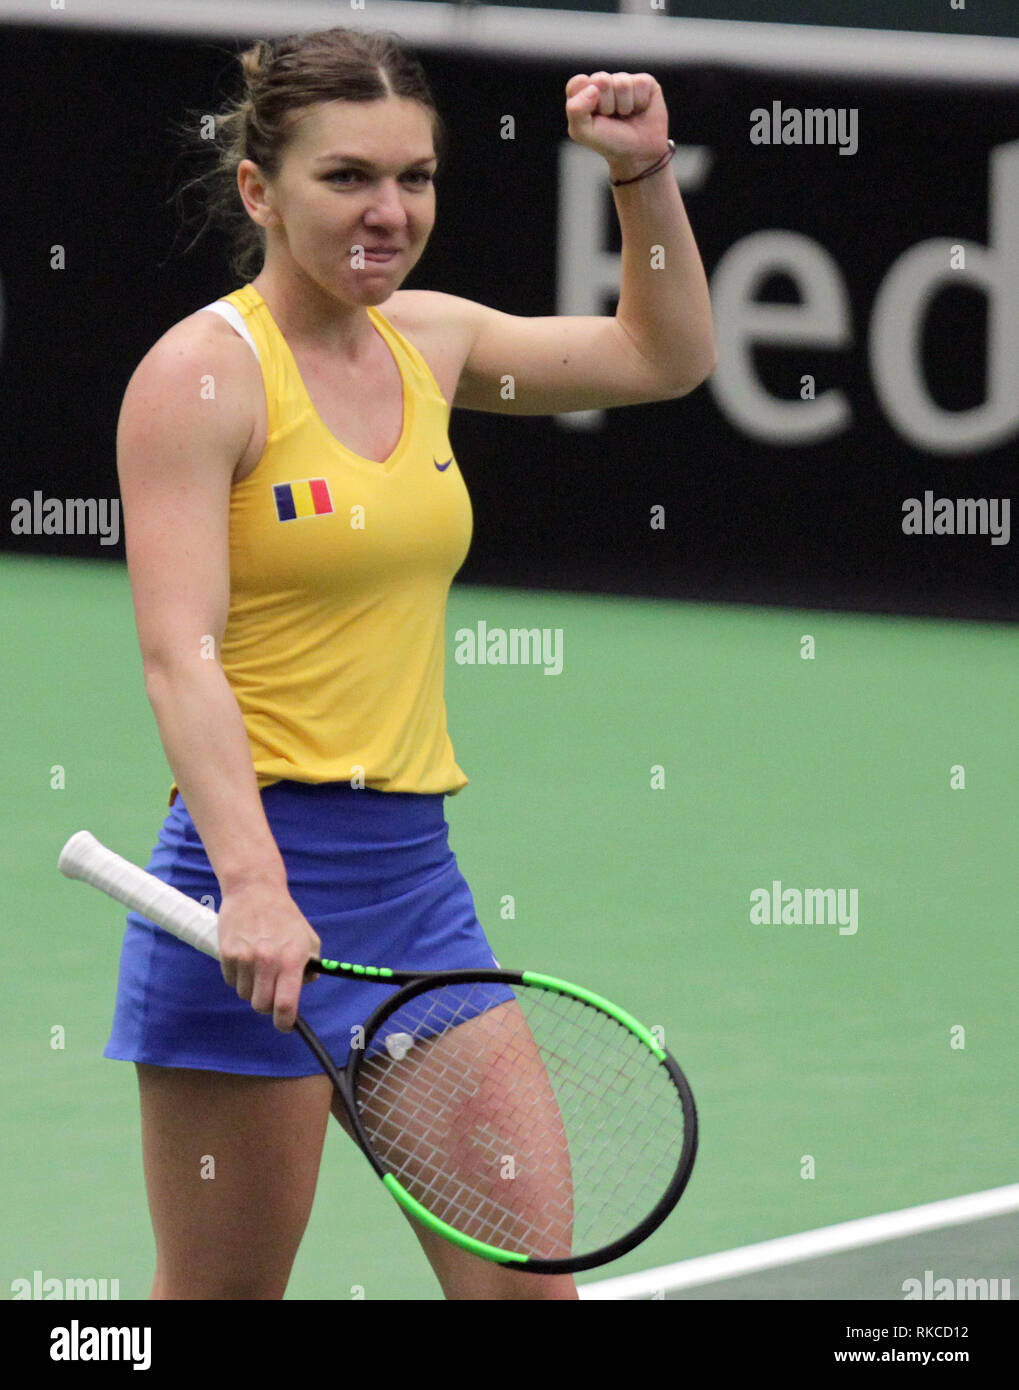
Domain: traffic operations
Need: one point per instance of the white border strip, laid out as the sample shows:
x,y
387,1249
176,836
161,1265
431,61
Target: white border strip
x,y
848,1235
564,35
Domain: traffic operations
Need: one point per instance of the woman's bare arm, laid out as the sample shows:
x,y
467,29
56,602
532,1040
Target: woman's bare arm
x,y
178,443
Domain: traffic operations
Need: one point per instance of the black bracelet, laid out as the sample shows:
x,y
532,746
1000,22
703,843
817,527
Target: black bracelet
x,y
660,164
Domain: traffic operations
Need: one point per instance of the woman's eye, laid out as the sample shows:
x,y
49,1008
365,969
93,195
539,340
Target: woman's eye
x,y
347,174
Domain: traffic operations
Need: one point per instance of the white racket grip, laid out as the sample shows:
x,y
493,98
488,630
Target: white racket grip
x,y
86,858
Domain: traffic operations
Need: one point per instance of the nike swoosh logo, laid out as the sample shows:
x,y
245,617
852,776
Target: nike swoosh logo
x,y
443,466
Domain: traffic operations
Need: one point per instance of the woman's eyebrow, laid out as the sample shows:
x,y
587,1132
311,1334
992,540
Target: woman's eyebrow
x,y
367,163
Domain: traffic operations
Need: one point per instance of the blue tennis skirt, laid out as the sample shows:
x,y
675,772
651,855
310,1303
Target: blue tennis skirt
x,y
371,871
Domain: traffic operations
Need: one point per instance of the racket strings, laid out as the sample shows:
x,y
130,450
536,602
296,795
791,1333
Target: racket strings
x,y
557,1199
526,1118
423,1149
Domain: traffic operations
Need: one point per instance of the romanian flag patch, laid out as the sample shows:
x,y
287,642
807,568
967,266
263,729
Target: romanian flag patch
x,y
307,498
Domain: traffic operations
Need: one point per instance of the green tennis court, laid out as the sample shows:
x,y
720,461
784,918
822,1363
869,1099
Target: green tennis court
x,y
619,817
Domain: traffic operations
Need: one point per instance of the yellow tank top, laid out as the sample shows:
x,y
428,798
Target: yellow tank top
x,y
340,568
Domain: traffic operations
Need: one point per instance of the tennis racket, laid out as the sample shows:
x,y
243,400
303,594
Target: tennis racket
x,y
523,1118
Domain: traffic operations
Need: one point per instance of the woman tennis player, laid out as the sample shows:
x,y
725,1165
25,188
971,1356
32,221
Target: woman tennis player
x,y
294,519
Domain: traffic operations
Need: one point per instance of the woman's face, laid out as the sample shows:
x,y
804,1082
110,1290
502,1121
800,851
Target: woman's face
x,y
355,174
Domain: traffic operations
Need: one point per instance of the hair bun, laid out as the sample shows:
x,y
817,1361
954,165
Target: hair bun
x,y
255,61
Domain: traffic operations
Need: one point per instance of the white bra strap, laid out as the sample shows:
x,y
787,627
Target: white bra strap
x,y
235,319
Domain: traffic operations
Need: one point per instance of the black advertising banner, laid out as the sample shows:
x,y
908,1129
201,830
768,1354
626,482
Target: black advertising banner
x,y
855,448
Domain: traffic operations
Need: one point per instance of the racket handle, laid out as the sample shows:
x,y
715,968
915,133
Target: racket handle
x,y
86,858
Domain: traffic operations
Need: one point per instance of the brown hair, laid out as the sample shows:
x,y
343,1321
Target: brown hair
x,y
281,77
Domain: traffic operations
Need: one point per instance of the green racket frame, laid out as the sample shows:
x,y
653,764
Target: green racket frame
x,y
345,1082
